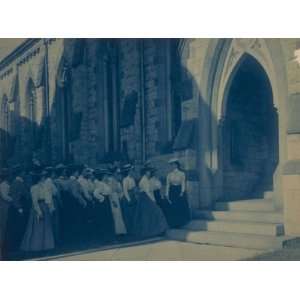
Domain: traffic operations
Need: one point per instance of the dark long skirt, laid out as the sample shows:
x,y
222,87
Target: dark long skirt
x,y
164,204
149,220
39,234
104,222
180,211
3,222
129,211
72,221
16,225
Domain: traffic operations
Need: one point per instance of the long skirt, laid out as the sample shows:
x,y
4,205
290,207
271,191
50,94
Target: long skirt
x,y
129,211
72,217
149,220
180,211
39,234
16,225
120,227
3,223
164,204
104,222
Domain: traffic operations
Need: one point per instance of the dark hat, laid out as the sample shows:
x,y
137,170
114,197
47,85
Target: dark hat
x,y
127,167
17,169
148,163
4,172
49,169
102,171
60,166
115,170
146,169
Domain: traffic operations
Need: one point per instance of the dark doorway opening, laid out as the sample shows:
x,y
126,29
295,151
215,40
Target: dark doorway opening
x,y
250,133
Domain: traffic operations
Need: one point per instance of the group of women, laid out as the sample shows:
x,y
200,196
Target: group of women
x,y
73,205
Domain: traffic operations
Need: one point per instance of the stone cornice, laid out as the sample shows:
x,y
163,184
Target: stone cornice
x,y
27,44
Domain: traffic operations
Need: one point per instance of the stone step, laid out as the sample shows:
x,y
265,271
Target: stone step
x,y
239,240
268,194
236,227
246,205
245,216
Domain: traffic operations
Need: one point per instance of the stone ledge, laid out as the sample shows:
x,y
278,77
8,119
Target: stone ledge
x,y
293,114
291,167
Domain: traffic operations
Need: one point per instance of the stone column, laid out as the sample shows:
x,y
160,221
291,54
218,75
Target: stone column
x,y
291,171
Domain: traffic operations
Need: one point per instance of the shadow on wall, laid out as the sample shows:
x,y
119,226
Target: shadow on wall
x,y
53,141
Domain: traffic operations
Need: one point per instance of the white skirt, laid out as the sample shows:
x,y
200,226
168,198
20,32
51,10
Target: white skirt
x,y
120,227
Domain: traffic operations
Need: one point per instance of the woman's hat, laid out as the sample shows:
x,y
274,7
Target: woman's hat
x,y
102,171
173,160
60,166
127,167
4,172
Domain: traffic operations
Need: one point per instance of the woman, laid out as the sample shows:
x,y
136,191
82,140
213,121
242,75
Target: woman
x,y
129,200
176,194
104,223
18,213
5,202
150,220
115,196
156,189
39,234
73,210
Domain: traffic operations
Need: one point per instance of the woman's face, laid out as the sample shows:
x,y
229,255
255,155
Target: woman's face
x,y
174,166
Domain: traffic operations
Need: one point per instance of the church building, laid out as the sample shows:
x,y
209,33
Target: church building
x,y
228,109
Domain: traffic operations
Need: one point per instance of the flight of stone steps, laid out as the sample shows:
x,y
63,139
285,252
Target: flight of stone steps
x,y
252,224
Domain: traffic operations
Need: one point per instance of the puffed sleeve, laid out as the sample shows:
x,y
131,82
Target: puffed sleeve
x,y
98,194
35,196
183,182
168,186
125,189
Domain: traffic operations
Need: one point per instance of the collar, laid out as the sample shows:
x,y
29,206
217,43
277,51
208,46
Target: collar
x,y
19,179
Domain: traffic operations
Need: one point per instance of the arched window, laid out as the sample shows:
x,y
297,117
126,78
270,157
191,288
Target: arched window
x,y
4,128
111,102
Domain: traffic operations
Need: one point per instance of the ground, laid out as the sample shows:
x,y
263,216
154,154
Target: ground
x,y
161,249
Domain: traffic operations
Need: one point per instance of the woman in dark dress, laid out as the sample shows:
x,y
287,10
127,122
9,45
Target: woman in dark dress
x,y
73,209
176,194
18,211
149,220
129,199
161,201
104,222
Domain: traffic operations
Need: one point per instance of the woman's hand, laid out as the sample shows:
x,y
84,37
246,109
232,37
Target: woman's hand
x,y
39,215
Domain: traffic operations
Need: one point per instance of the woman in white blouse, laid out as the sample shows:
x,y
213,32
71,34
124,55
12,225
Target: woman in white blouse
x,y
176,194
150,220
103,216
129,199
156,189
115,196
39,235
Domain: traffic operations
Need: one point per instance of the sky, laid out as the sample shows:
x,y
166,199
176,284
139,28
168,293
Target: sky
x,y
7,45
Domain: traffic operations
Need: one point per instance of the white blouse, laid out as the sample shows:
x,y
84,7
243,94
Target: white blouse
x,y
176,177
144,186
128,184
39,192
155,184
102,190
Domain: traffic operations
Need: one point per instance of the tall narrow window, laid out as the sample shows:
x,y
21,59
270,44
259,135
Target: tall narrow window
x,y
176,86
111,104
4,128
31,113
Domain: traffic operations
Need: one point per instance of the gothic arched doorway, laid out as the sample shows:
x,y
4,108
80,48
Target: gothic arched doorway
x,y
249,132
